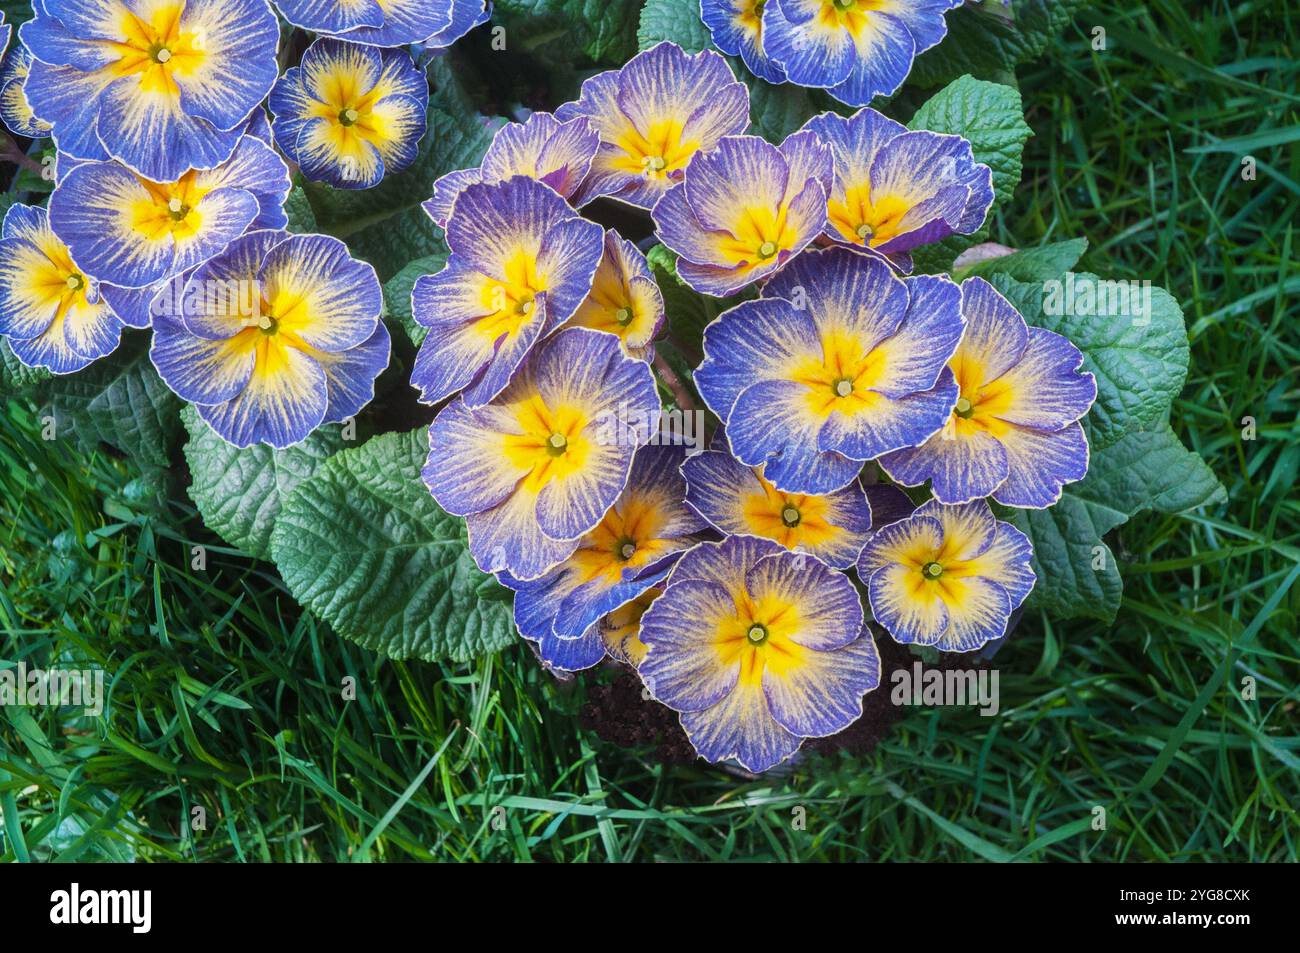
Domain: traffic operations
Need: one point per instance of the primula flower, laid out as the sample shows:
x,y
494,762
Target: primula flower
x,y
758,648
838,362
617,635
624,300
948,576
15,110
521,262
897,190
350,114
131,231
737,501
532,472
1014,432
653,116
163,86
857,49
745,209
737,29
50,311
275,336
555,153
630,551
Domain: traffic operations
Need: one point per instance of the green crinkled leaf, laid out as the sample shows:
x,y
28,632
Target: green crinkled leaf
x,y
687,311
1145,469
675,20
363,545
386,225
776,111
604,30
14,374
302,220
1140,361
991,116
119,400
1048,261
239,492
397,293
982,41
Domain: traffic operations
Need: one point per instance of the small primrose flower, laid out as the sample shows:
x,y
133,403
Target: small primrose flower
x,y
1014,433
737,29
163,87
521,263
350,114
557,154
856,49
624,299
653,116
379,23
758,648
737,500
50,311
130,231
838,362
15,110
896,190
616,635
273,337
629,552
532,472
948,576
744,209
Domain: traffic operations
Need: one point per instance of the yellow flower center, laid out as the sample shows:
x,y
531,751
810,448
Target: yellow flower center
x,y
156,49
655,152
790,516
932,570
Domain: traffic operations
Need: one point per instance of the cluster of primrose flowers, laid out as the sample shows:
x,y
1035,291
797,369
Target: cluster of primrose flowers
x,y
723,577
726,579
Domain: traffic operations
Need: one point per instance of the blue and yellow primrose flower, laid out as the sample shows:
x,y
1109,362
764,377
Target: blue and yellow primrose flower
x,y
757,648
273,337
947,576
521,262
163,86
536,469
130,231
51,312
653,116
737,500
897,190
629,552
1014,433
616,636
744,209
558,154
856,49
15,110
838,362
350,114
737,29
625,299
379,23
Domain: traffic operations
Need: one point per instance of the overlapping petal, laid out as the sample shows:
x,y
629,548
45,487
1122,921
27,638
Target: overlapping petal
x,y
737,29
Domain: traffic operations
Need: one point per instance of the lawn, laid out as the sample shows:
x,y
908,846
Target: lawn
x,y
228,710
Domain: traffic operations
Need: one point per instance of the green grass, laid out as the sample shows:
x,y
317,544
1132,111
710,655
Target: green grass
x,y
226,697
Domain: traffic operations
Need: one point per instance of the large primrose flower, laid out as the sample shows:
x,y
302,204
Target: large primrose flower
x,y
758,648
838,362
897,190
857,49
130,231
1014,432
163,86
737,29
385,23
625,299
653,116
737,500
948,576
532,472
745,209
350,114
15,110
50,311
521,262
555,153
629,552
275,336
